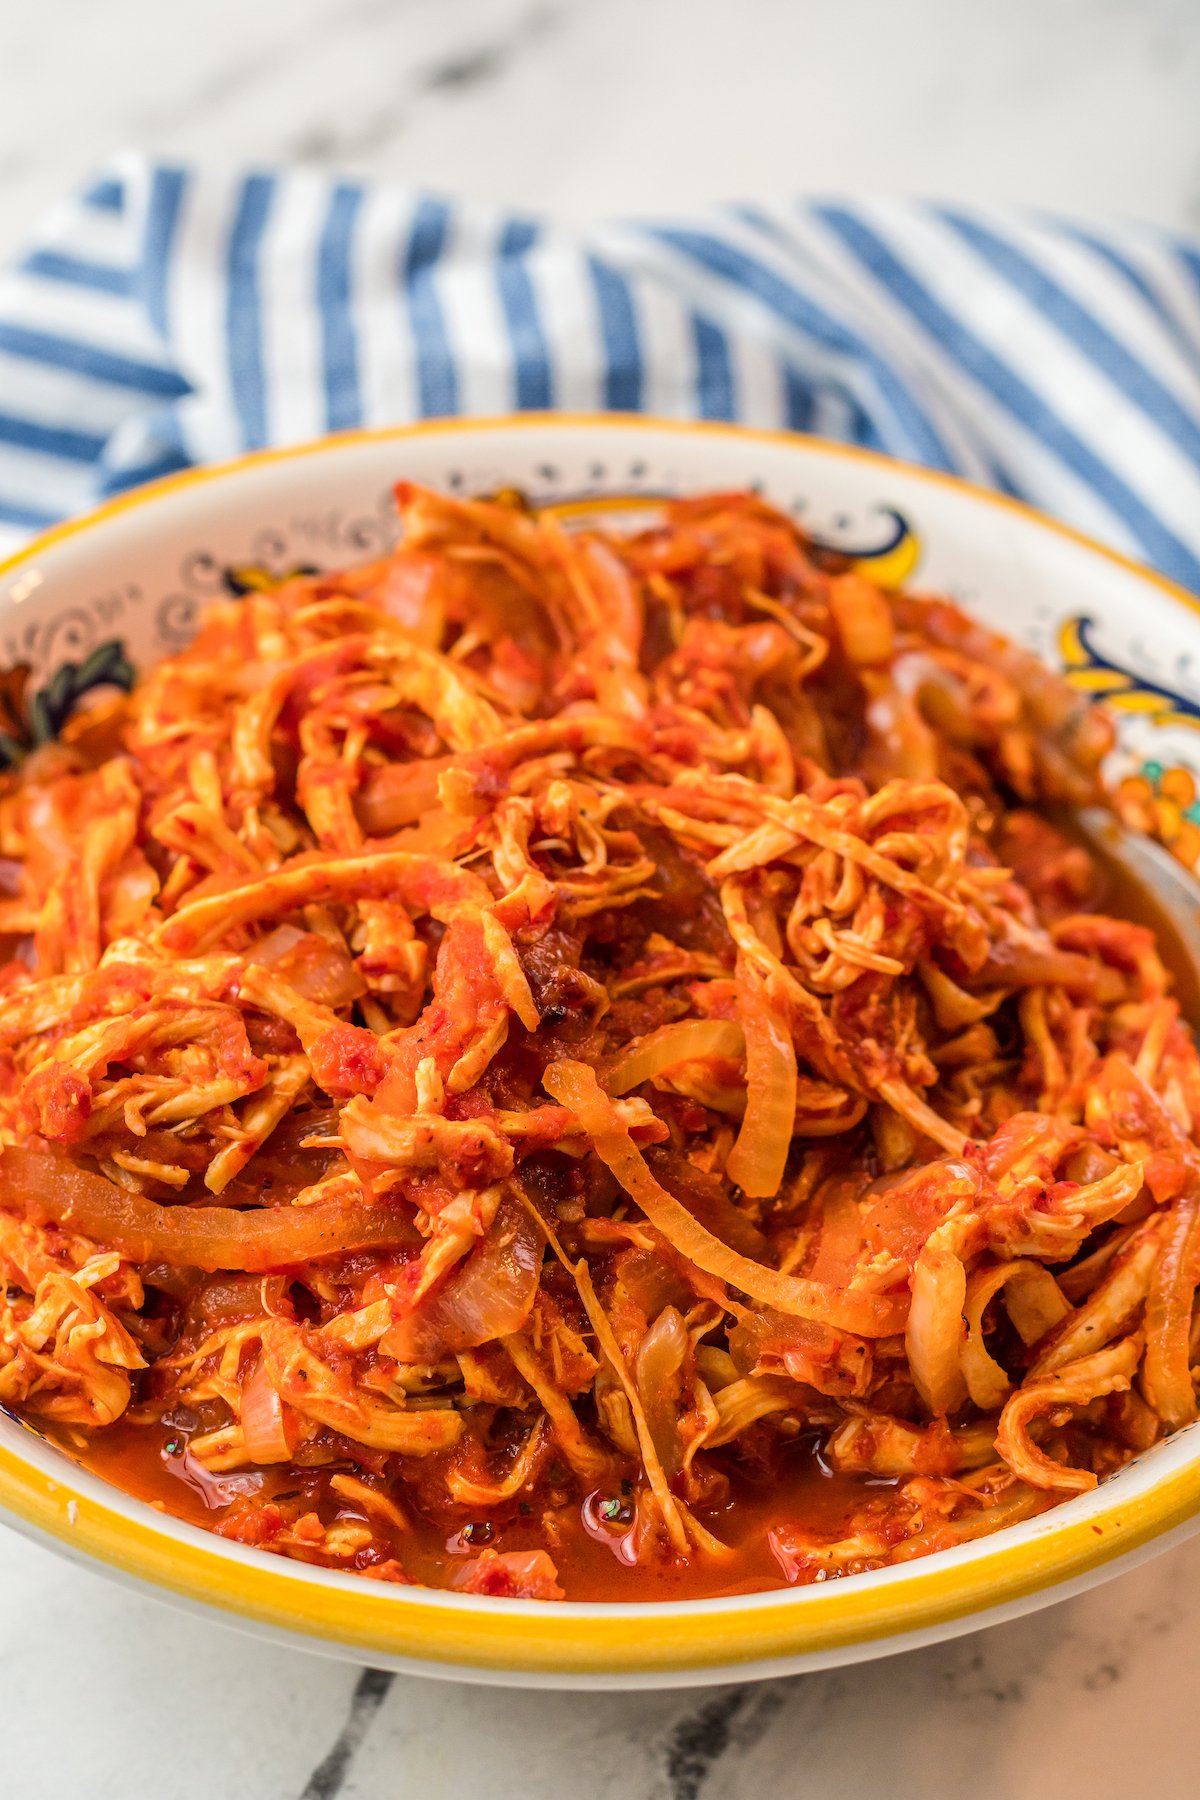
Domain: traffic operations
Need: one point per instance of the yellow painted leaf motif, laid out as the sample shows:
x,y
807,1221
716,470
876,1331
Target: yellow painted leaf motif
x,y
257,578
892,563
1092,671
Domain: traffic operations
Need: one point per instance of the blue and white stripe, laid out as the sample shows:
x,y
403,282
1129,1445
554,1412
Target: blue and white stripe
x,y
171,316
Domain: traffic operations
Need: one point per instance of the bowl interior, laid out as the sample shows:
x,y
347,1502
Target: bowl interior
x,y
87,606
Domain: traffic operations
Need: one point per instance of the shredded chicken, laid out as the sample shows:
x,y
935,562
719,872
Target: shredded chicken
x,y
512,1051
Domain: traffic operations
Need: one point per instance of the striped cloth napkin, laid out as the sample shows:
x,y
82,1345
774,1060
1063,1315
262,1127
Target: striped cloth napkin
x,y
172,316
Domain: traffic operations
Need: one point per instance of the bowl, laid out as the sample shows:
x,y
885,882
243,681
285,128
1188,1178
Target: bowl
x,y
89,602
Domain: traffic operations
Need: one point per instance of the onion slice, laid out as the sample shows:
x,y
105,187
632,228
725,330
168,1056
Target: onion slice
x,y
264,1428
658,1372
489,1297
38,1182
757,1160
316,969
1166,1378
689,1040
574,1086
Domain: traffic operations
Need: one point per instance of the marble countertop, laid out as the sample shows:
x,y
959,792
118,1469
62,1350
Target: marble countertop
x,y
586,108
591,108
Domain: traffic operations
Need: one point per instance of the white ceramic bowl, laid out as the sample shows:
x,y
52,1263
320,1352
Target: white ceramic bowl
x,y
120,587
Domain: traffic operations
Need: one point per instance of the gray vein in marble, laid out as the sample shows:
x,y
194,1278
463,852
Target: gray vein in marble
x,y
699,1741
464,66
473,66
370,1691
476,65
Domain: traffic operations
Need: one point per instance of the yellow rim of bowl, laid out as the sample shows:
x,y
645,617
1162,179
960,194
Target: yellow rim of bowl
x,y
579,1640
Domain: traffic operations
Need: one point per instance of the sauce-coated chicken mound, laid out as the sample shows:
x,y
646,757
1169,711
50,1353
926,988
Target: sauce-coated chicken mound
x,y
562,1061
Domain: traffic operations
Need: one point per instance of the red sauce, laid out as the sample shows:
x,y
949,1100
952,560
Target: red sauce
x,y
587,1551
